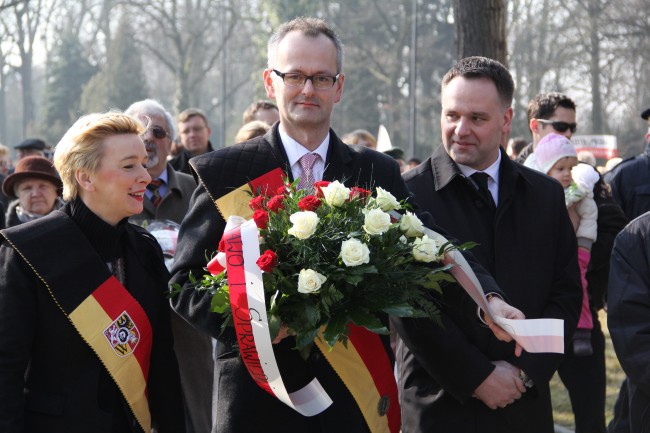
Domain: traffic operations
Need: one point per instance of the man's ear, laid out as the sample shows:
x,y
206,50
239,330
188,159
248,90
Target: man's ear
x,y
268,83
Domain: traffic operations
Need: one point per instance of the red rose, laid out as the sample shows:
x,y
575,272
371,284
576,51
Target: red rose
x,y
257,203
222,246
267,261
319,185
282,190
309,202
275,204
356,192
261,218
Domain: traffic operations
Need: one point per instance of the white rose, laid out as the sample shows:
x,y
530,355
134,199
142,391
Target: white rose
x,y
336,193
376,221
310,281
304,224
354,252
411,225
426,249
386,201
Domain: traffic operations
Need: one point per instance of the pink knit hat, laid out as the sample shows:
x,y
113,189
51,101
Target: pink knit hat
x,y
551,149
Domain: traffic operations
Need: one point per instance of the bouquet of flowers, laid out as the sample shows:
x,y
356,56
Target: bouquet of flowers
x,y
336,257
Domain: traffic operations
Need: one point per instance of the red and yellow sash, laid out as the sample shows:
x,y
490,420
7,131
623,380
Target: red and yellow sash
x,y
116,327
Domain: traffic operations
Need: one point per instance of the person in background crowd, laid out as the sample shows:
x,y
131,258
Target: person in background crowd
x,y
5,161
84,320
547,113
167,197
556,157
30,147
360,137
413,162
630,180
250,130
628,319
194,133
475,384
587,157
262,110
5,166
515,146
583,376
35,188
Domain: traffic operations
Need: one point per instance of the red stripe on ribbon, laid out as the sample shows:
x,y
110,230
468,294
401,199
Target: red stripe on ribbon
x,y
115,299
268,183
380,369
241,314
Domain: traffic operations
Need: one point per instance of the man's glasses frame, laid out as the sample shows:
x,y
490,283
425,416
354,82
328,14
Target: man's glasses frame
x,y
560,126
296,79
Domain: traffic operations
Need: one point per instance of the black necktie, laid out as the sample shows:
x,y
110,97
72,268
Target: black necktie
x,y
481,180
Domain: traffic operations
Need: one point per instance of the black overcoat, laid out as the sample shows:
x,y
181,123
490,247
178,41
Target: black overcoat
x,y
529,246
50,379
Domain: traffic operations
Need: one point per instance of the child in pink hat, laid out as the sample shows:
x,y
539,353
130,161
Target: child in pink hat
x,y
556,156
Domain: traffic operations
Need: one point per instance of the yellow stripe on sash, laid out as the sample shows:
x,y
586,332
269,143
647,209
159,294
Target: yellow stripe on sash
x,y
350,367
236,203
91,320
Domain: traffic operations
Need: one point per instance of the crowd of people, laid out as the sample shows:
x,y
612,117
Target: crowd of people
x,y
94,341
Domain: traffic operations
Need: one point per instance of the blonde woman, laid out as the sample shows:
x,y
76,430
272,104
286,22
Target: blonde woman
x,y
84,322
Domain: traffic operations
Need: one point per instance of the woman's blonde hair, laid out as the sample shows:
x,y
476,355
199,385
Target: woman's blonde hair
x,y
81,146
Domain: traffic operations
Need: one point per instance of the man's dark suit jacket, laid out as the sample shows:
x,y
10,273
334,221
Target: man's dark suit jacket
x,y
242,405
529,246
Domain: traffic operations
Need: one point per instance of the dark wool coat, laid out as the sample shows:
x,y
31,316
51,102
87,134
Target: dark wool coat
x,y
242,405
628,316
529,246
50,379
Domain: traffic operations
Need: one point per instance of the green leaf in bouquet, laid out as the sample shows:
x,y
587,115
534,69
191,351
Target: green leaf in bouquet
x,y
402,310
192,278
368,321
306,340
274,325
220,300
336,328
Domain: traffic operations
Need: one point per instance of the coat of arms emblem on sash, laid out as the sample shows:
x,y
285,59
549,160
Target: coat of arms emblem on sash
x,y
122,335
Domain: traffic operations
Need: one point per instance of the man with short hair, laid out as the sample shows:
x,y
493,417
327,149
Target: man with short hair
x,y
30,147
630,180
194,133
477,193
305,77
549,113
262,110
167,198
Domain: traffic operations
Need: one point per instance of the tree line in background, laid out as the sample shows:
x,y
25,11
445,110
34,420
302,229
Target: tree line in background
x,y
62,58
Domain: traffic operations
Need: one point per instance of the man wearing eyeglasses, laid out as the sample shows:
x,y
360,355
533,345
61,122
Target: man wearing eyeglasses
x,y
195,138
549,113
304,76
167,198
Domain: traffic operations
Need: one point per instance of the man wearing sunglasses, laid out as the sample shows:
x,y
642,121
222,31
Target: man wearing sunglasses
x,y
549,113
167,198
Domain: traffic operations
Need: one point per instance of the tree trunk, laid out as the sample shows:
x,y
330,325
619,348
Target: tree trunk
x,y
597,126
480,29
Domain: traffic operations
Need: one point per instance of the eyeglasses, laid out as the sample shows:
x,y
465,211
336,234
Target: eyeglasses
x,y
158,132
560,126
294,79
